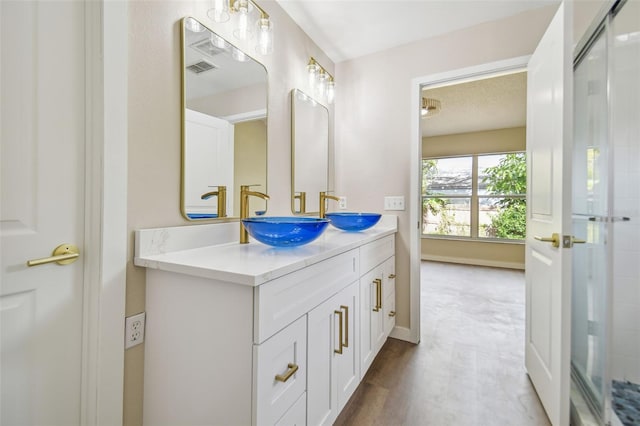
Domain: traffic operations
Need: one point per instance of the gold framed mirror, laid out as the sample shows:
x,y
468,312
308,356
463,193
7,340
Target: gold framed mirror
x,y
309,153
224,125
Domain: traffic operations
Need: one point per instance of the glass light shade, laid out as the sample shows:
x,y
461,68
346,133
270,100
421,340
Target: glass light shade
x,y
239,55
331,91
321,85
193,25
264,45
220,11
218,41
242,31
312,69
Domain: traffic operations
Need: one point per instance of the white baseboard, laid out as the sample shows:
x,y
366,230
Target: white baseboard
x,y
476,262
403,333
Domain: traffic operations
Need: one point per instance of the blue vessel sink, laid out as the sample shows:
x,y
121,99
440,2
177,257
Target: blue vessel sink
x,y
285,231
353,222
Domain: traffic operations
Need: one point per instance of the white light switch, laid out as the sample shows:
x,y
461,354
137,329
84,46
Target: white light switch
x,y
394,203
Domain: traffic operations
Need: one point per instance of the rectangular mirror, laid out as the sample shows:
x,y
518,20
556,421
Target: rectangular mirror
x,y
224,131
309,152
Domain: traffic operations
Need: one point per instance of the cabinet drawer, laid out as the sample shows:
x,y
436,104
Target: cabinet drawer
x,y
297,415
276,388
376,252
283,300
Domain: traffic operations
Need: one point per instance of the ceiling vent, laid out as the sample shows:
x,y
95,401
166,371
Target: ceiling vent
x,y
206,47
201,66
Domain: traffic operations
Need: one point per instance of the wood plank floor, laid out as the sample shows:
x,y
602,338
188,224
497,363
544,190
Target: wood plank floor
x,y
469,366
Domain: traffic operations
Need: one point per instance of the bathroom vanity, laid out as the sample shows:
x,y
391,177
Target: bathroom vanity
x,y
240,334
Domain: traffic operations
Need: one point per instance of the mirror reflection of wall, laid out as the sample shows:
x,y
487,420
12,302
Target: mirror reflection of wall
x,y
224,142
310,152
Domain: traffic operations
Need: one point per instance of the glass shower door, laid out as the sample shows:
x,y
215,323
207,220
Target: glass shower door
x,y
590,227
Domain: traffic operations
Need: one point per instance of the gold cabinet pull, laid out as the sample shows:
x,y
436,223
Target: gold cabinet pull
x,y
292,368
377,282
379,294
554,239
339,350
64,254
392,276
392,313
346,325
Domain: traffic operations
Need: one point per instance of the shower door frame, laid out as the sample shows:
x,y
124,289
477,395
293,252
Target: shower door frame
x,y
602,25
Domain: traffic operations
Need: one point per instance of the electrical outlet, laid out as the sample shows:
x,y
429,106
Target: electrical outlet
x,y
134,330
342,204
394,203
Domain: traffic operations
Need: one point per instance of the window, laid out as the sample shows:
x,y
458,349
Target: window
x,y
476,197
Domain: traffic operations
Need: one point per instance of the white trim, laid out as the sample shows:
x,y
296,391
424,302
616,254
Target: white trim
x,y
105,213
449,77
246,116
476,262
401,333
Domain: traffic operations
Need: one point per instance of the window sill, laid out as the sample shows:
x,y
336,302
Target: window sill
x,y
469,239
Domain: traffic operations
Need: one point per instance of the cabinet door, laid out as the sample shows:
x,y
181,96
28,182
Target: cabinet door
x,y
322,402
371,320
389,292
333,372
347,363
280,372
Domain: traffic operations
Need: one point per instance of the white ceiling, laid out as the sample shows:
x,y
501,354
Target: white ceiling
x,y
346,29
486,104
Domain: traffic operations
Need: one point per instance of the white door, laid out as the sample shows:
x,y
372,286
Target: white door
x,y
42,150
548,268
209,152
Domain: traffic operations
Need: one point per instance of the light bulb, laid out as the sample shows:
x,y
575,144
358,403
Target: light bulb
x,y
220,11
265,36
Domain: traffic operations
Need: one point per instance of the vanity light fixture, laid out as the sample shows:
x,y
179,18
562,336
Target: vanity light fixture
x,y
222,11
321,81
430,107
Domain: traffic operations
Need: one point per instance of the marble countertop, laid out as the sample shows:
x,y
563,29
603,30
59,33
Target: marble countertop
x,y
248,264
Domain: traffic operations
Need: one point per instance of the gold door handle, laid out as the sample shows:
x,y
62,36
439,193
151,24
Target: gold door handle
x,y
392,313
346,325
575,240
339,350
554,240
291,369
64,254
377,282
392,276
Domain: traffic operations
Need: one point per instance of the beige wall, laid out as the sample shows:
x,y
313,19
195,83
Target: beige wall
x,y
250,153
509,255
154,132
374,111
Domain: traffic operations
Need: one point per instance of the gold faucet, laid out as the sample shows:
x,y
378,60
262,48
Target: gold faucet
x,y
302,196
245,193
221,193
323,202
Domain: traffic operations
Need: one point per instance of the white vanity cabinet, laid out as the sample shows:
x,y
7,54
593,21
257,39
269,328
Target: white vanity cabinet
x,y
377,298
251,335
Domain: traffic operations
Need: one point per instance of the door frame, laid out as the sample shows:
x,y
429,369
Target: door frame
x,y
456,76
105,212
